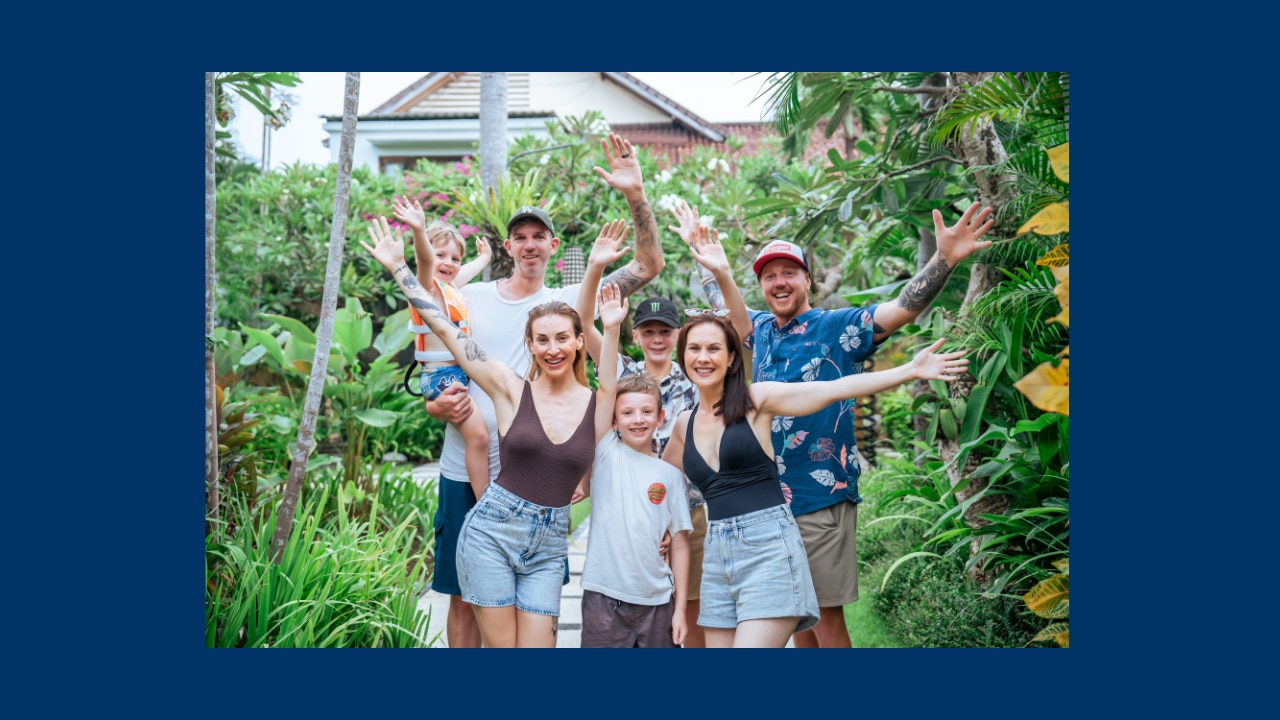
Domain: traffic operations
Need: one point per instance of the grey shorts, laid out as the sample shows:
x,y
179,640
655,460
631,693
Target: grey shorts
x,y
610,623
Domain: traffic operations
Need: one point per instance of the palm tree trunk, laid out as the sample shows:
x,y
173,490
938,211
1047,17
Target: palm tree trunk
x,y
324,333
976,145
493,155
210,280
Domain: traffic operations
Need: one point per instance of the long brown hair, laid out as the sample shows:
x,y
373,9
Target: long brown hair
x,y
556,307
735,402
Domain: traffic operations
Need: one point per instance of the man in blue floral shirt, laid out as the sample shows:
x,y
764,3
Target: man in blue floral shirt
x,y
817,455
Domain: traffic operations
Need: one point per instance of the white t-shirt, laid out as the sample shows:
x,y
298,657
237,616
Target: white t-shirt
x,y
497,326
635,499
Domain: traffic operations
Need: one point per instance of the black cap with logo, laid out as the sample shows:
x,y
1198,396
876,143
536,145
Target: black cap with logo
x,y
659,309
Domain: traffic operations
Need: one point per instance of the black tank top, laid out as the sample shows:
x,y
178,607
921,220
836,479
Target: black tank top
x,y
538,470
747,480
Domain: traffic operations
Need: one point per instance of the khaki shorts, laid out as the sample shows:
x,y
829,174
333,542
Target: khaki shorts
x,y
829,541
697,539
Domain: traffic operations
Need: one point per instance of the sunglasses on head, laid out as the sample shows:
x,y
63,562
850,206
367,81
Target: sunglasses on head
x,y
694,312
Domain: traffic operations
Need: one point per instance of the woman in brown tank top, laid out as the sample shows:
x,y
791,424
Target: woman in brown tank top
x,y
513,543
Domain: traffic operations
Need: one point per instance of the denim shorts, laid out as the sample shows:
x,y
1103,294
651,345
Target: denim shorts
x,y
434,380
754,567
513,552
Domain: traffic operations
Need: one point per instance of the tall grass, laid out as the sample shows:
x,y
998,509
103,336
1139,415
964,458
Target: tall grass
x,y
339,584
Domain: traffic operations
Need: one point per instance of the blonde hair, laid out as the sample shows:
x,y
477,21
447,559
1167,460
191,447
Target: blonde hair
x,y
440,232
556,307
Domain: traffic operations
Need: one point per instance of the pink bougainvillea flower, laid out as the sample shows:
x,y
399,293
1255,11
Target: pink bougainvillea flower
x,y
560,265
442,197
468,230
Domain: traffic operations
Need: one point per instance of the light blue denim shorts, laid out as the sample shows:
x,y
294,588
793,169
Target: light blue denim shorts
x,y
512,552
754,567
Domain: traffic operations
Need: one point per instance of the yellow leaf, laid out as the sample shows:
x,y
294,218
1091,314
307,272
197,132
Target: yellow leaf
x,y
1063,291
1052,220
1057,257
1049,597
1059,632
1060,161
1047,387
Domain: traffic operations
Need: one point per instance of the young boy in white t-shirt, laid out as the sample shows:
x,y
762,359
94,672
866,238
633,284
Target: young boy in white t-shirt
x,y
631,597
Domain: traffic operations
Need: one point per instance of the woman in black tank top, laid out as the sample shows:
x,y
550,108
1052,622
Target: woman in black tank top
x,y
756,588
552,421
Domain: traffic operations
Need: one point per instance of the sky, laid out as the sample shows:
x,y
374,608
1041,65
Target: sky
x,y
715,96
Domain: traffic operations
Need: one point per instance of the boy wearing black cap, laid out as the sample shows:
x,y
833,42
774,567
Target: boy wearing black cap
x,y
655,327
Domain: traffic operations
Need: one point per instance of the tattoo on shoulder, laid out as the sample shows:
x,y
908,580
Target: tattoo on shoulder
x,y
925,286
877,329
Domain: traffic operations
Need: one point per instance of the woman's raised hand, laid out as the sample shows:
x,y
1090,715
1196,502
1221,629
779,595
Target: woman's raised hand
x,y
386,249
929,365
608,248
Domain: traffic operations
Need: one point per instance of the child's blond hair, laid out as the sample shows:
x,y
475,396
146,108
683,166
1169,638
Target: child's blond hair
x,y
440,232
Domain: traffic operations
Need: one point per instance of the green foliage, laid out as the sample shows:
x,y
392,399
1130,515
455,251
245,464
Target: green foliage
x,y
926,602
255,88
273,243
339,584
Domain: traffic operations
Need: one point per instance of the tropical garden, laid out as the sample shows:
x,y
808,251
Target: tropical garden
x,y
318,534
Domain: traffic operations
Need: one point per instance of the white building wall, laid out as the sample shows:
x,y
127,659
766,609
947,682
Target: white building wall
x,y
576,93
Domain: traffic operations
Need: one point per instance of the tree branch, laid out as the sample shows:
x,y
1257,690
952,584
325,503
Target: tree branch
x,y
921,90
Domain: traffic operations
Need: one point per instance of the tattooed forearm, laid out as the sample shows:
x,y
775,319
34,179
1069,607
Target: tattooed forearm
x,y
626,281
712,288
473,350
646,225
425,305
925,286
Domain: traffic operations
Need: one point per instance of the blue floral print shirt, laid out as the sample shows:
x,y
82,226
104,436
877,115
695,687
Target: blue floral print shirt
x,y
816,454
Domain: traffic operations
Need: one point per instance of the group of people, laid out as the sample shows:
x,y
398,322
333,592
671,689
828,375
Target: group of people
x,y
723,511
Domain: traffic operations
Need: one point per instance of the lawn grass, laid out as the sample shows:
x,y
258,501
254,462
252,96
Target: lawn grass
x,y
866,628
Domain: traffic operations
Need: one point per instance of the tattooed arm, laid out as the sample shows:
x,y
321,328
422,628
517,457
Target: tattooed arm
x,y
955,243
499,381
625,175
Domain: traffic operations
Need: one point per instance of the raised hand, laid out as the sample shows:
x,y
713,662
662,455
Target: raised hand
x,y
958,242
927,365
688,219
707,250
613,306
410,214
482,247
624,168
608,248
386,249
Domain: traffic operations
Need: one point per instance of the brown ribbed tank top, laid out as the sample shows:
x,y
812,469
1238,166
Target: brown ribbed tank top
x,y
538,470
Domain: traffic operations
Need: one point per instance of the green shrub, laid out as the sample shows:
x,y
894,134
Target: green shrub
x,y
338,584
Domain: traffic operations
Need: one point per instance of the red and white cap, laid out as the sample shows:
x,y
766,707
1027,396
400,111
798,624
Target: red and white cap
x,y
779,249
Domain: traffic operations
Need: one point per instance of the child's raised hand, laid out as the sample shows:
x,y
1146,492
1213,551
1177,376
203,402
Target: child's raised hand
x,y
482,247
608,245
927,365
688,219
613,306
707,250
386,249
410,214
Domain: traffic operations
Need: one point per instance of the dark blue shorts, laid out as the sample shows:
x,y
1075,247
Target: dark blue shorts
x,y
456,499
